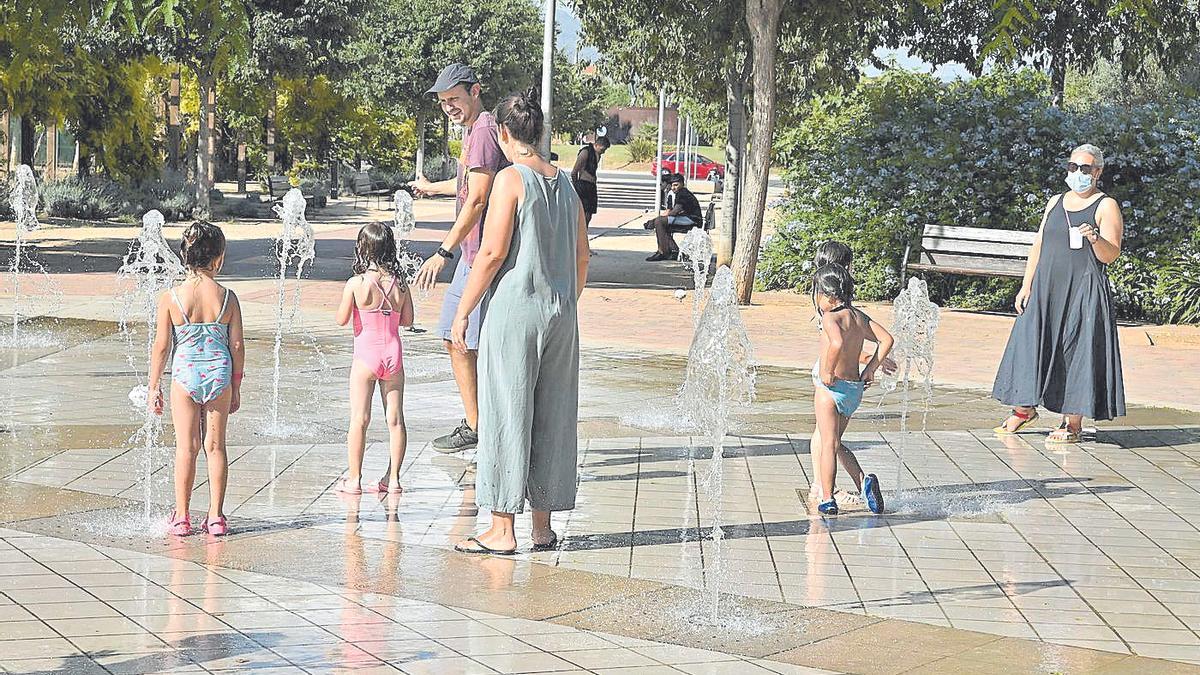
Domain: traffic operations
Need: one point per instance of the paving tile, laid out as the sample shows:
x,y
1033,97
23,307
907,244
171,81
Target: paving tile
x,y
539,662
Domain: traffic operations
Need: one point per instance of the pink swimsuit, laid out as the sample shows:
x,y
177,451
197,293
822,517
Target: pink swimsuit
x,y
377,337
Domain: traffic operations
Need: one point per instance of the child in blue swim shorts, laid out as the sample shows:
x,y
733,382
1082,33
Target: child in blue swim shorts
x,y
837,381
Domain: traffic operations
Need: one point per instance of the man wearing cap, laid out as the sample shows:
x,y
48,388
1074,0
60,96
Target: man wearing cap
x,y
458,92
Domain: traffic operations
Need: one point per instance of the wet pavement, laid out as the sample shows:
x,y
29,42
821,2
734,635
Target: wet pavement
x,y
998,554
998,550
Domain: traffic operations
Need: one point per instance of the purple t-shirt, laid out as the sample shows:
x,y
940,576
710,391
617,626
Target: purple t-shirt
x,y
480,150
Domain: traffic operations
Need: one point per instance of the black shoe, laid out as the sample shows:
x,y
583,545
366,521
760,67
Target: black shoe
x,y
462,438
649,224
657,257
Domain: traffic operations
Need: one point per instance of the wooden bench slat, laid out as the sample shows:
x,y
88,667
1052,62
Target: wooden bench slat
x,y
979,234
949,262
985,248
919,267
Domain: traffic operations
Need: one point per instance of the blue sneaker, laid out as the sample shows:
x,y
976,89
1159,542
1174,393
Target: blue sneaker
x,y
828,508
872,494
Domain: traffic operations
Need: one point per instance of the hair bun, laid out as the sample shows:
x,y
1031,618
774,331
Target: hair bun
x,y
531,95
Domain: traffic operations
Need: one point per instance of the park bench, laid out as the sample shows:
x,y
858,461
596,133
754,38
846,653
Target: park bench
x,y
974,251
278,186
364,187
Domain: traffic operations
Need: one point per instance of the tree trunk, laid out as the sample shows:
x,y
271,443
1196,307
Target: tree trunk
x,y
241,163
83,160
333,174
211,118
174,133
204,146
762,16
51,152
419,163
735,145
28,140
6,130
271,106
1058,77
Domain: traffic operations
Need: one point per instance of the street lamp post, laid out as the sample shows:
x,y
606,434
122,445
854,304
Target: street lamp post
x,y
662,101
548,76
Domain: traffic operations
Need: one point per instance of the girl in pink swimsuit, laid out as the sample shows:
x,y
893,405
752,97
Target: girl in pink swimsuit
x,y
376,298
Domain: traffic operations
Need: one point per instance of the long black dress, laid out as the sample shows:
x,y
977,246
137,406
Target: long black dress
x,y
1062,353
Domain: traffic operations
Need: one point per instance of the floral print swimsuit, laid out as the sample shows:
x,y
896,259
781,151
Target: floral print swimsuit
x,y
202,363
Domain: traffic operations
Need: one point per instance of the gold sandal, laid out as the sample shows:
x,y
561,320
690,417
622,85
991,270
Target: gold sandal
x,y
1069,438
1026,420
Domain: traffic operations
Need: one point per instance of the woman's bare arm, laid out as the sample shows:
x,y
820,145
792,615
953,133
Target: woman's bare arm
x,y
583,255
1106,239
497,237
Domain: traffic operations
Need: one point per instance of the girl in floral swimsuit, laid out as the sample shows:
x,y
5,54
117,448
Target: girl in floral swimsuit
x,y
204,320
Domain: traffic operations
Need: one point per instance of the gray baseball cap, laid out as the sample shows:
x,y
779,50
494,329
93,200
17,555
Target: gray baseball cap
x,y
451,75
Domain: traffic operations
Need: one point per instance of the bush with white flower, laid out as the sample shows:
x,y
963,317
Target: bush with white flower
x,y
872,166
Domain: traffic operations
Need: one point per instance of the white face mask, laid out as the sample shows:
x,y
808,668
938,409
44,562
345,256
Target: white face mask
x,y
1080,182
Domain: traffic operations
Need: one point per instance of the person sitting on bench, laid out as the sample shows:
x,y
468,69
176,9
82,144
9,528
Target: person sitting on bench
x,y
681,214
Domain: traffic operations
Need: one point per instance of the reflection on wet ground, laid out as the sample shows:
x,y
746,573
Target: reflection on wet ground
x,y
1002,550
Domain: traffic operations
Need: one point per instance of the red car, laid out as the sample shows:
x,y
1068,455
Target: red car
x,y
699,167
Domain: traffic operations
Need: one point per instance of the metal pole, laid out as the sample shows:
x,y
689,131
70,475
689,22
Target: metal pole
x,y
548,76
687,151
662,102
678,134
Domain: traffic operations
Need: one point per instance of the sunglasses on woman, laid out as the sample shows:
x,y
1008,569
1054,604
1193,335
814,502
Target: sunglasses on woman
x,y
1073,167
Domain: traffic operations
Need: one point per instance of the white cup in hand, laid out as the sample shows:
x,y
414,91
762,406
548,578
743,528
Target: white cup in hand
x,y
1076,237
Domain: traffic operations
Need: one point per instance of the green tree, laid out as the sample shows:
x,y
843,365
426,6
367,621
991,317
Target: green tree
x,y
1053,35
206,36
578,98
402,46
802,47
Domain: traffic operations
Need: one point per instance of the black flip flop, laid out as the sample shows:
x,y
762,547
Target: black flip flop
x,y
548,546
483,549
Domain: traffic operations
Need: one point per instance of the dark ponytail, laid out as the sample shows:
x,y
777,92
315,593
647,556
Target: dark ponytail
x,y
522,115
834,281
202,244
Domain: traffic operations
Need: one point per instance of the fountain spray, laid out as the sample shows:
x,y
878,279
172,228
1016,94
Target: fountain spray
x,y
153,267
697,249
914,327
24,198
720,382
296,241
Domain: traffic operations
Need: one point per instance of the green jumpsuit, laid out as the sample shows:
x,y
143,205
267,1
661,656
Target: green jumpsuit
x,y
529,358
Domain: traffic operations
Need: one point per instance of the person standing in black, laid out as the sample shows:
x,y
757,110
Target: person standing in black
x,y
583,174
681,214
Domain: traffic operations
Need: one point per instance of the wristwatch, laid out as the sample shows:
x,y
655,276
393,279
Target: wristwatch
x,y
444,253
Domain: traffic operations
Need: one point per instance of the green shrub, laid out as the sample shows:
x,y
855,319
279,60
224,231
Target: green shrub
x,y
641,149
6,212
171,194
873,165
248,206
390,179
82,198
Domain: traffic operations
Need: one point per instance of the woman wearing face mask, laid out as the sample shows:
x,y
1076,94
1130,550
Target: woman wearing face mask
x,y
1062,353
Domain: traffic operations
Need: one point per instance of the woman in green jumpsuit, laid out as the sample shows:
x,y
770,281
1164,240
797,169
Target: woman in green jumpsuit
x,y
530,270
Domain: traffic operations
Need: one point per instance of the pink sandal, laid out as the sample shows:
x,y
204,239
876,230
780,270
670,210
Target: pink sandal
x,y
343,486
179,526
217,527
383,487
